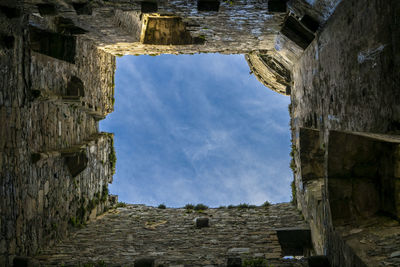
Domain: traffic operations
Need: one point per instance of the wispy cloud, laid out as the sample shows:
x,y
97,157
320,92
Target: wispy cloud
x,y
192,129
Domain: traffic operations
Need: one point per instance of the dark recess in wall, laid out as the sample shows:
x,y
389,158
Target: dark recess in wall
x,y
144,262
47,9
234,262
208,5
318,261
277,6
310,23
7,41
82,8
67,26
75,87
297,32
10,12
76,163
52,44
167,31
294,242
149,7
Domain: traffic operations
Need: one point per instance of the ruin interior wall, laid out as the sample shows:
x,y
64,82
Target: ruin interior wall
x,y
43,138
171,237
346,79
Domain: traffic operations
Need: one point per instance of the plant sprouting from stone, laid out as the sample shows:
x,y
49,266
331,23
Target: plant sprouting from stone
x,y
162,206
266,204
255,262
200,207
243,206
120,205
189,206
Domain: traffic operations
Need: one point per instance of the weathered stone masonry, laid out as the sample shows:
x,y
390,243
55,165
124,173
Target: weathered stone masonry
x,y
54,164
338,61
170,237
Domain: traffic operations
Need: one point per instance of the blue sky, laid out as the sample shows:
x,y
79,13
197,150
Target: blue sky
x,y
197,129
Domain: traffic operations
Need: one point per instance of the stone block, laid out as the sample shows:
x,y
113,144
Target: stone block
x,y
238,250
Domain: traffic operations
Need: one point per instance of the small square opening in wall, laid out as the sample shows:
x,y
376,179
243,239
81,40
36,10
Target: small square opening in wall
x,y
277,6
295,31
310,23
7,41
166,31
52,44
149,7
10,12
47,9
207,5
294,241
82,8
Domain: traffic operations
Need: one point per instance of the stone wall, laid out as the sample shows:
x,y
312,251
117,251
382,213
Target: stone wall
x,y
55,167
57,81
346,80
170,237
239,26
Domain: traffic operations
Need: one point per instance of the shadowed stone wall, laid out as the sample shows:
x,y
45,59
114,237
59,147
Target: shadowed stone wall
x,y
54,164
347,80
57,68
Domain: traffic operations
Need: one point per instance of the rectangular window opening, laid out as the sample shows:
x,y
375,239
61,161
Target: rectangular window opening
x,y
296,32
278,6
208,5
53,44
149,7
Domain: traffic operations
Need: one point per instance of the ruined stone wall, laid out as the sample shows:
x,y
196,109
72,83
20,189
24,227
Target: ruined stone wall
x,y
171,238
93,67
347,80
43,140
239,26
57,82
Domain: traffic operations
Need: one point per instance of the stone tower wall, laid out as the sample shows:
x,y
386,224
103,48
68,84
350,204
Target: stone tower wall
x,y
57,69
170,237
43,136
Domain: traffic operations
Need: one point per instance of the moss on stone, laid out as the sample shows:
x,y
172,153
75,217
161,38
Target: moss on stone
x,y
294,195
255,262
104,193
